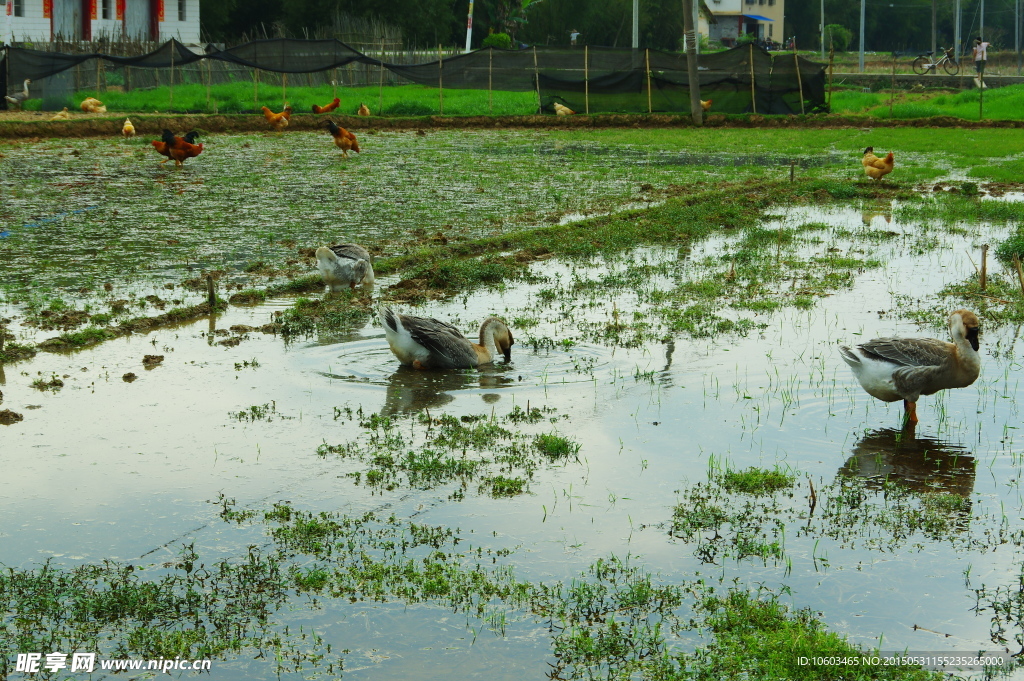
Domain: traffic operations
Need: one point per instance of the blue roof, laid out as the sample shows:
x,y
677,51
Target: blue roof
x,y
758,17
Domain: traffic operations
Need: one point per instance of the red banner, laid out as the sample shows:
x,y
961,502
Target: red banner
x,y
160,10
120,10
47,9
10,7
92,9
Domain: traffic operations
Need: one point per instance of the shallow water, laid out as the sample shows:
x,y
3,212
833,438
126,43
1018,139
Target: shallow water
x,y
109,469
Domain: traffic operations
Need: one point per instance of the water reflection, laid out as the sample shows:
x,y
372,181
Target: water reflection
x,y
922,464
411,389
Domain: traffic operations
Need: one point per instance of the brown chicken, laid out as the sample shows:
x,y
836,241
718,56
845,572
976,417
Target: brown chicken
x,y
278,120
363,110
705,104
177,148
93,105
326,109
343,139
876,168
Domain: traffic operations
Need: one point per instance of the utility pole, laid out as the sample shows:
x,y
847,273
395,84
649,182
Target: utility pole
x,y
1016,33
956,32
981,31
469,26
691,62
822,27
861,61
636,24
935,26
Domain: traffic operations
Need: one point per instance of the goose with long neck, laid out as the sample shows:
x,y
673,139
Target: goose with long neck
x,y
893,369
18,98
427,343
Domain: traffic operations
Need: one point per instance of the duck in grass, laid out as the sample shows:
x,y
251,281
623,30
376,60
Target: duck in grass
x,y
426,343
893,369
345,266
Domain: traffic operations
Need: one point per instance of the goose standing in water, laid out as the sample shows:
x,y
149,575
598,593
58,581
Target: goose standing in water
x,y
426,343
344,266
891,369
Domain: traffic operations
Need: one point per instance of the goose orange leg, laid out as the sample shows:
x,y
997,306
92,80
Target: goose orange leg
x,y
911,411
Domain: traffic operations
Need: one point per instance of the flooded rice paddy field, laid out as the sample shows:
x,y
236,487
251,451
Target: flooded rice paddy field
x,y
353,517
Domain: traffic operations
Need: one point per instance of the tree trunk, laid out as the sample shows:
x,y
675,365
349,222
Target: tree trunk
x,y
691,63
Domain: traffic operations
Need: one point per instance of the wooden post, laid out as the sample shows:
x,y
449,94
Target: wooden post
x,y
753,91
647,63
380,85
99,67
127,79
170,96
799,78
984,266
586,77
334,82
490,76
792,171
256,89
209,82
1020,273
211,296
440,81
284,90
831,57
981,95
892,91
536,77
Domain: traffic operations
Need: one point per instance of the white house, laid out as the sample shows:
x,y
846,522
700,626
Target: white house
x,y
762,18
34,21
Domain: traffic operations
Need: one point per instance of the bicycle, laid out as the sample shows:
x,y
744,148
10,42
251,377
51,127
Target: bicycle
x,y
923,64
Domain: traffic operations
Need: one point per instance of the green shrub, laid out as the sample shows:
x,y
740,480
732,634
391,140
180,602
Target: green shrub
x,y
1014,245
499,40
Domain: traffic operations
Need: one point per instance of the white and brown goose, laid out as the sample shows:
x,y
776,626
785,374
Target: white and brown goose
x,y
345,266
893,369
427,343
18,98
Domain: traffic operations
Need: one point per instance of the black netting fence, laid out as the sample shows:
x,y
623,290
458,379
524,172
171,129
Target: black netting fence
x,y
742,80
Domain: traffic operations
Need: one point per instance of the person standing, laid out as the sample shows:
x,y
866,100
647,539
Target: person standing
x,y
980,56
573,35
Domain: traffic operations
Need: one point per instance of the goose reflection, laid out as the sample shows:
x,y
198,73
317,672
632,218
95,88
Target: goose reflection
x,y
869,213
921,464
410,390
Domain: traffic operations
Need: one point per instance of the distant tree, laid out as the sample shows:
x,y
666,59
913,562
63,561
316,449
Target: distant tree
x,y
837,37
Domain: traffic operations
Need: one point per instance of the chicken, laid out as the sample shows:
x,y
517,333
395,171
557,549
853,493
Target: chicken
x,y
325,109
705,104
61,115
168,139
18,98
363,110
93,105
128,130
278,120
876,167
343,139
561,110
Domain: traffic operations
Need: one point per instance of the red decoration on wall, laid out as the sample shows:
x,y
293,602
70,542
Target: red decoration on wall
x,y
92,10
160,10
47,9
10,7
119,8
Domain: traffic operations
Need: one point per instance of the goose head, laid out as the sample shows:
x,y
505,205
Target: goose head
x,y
501,335
965,324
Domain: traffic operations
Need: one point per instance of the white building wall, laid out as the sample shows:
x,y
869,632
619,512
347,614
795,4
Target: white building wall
x,y
34,28
186,31
30,28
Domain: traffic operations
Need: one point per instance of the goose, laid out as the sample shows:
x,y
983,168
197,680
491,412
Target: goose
x,y
906,368
344,266
424,343
18,98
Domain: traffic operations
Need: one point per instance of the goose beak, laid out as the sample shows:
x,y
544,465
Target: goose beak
x,y
972,337
507,351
